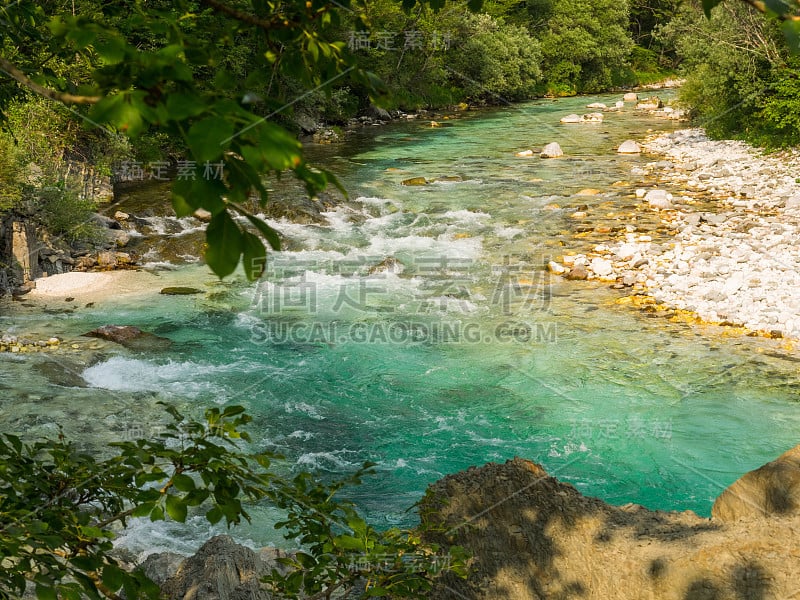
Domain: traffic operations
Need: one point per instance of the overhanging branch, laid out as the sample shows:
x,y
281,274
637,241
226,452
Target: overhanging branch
x,y
12,71
761,6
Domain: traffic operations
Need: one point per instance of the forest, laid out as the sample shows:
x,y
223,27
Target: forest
x,y
103,83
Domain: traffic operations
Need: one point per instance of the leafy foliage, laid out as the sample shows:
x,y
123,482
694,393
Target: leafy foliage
x,y
59,506
740,74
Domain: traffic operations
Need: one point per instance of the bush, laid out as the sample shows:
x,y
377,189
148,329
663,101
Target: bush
x,y
59,507
65,214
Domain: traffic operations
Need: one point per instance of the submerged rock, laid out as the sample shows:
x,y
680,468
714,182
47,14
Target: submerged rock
x,y
415,181
130,337
180,291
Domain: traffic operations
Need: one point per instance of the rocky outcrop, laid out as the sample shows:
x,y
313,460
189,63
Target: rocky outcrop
x,y
771,490
220,570
534,537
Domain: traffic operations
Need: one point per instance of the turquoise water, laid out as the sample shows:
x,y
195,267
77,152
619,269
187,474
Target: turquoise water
x,y
459,351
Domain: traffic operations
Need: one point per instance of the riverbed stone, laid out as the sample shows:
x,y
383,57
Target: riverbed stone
x,y
552,150
629,147
130,337
573,118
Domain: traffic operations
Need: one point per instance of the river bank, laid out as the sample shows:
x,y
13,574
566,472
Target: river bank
x,y
729,255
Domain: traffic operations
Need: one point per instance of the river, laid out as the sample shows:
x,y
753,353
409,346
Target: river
x,y
418,329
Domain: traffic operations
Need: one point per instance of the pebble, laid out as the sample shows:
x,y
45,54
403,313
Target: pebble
x,y
736,265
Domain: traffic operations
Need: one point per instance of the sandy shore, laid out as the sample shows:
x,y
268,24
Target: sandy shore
x,y
113,285
734,262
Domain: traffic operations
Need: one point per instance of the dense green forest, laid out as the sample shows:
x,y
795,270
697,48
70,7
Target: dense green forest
x,y
105,83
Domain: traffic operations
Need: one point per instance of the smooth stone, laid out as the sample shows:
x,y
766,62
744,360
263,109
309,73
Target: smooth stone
x,y
130,337
577,273
415,181
552,150
629,147
631,97
180,291
573,118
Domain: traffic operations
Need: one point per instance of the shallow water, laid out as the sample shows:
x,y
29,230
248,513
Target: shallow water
x,y
461,350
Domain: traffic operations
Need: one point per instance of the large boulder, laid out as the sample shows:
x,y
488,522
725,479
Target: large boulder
x,y
771,490
221,570
534,537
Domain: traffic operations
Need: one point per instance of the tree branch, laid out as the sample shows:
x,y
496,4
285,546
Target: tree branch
x,y
761,6
239,15
65,98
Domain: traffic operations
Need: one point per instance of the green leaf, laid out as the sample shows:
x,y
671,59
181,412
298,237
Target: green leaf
x,y
143,509
254,256
123,110
268,232
708,5
779,7
183,483
111,50
45,592
214,515
224,244
176,509
348,542
182,106
113,577
791,31
209,138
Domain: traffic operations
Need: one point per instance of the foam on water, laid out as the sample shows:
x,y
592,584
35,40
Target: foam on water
x,y
183,379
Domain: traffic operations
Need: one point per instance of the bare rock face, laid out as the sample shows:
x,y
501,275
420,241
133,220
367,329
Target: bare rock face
x,y
771,490
221,570
533,537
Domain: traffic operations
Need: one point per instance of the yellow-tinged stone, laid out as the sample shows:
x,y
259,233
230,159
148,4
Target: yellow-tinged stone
x,y
588,192
395,170
435,124
75,346
620,183
536,180
552,207
524,281
461,236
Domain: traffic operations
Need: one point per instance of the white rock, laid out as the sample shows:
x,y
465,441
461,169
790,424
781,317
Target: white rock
x,y
552,150
598,105
619,104
525,153
593,118
640,193
602,267
556,268
659,199
573,118
629,147
631,97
